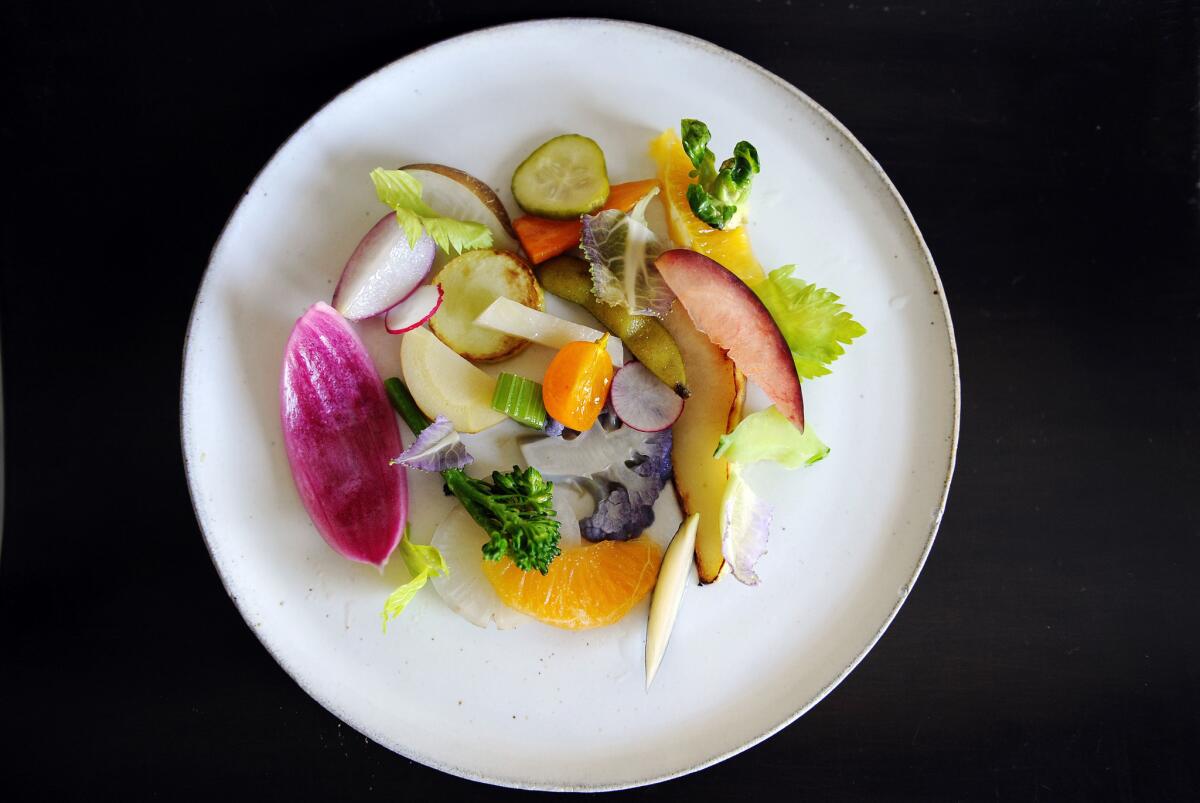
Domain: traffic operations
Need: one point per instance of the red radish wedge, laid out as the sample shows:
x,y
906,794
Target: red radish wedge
x,y
382,271
414,310
642,400
340,433
724,308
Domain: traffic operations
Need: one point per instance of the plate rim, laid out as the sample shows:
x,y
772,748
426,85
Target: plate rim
x,y
686,40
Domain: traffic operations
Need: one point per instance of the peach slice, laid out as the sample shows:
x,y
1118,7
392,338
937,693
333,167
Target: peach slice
x,y
723,307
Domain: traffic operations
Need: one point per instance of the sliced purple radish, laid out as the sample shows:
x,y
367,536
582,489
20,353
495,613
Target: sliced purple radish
x,y
340,434
642,400
414,310
382,271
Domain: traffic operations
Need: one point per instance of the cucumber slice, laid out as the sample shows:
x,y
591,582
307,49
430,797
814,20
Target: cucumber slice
x,y
563,179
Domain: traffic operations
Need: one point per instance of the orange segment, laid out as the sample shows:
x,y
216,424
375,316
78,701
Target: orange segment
x,y
591,586
730,248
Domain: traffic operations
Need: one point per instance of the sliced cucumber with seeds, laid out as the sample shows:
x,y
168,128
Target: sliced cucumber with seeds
x,y
563,179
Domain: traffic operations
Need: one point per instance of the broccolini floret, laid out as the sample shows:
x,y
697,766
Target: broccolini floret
x,y
515,508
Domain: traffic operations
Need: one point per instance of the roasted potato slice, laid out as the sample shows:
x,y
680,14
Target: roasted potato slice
x,y
472,281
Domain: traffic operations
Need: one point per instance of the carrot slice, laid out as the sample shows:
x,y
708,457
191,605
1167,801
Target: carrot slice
x,y
624,196
543,238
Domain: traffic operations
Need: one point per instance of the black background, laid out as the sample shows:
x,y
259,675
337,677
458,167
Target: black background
x,y
1048,151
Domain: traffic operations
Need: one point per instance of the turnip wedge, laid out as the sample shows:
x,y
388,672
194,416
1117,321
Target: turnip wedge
x,y
340,433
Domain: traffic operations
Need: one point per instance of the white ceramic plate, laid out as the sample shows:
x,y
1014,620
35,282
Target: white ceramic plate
x,y
538,707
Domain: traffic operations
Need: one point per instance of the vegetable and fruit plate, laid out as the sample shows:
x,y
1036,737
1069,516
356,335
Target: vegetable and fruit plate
x,y
573,417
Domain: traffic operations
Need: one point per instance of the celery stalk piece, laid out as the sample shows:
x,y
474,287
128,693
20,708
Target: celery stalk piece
x,y
520,399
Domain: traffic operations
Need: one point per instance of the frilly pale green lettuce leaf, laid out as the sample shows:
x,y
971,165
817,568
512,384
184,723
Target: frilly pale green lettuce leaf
x,y
402,193
769,435
812,321
621,249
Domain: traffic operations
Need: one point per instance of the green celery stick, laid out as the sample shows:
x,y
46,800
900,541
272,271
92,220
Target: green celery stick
x,y
520,399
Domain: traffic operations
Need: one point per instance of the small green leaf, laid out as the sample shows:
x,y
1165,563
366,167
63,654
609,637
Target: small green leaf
x,y
422,563
402,192
708,208
412,224
397,188
812,321
398,600
421,558
695,137
457,235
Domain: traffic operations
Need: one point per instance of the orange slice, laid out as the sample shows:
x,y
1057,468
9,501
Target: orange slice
x,y
591,586
730,248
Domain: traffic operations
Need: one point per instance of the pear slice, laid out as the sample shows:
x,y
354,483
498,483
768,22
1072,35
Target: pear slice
x,y
700,478
668,593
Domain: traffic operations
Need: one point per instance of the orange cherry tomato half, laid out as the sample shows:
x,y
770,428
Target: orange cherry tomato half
x,y
576,383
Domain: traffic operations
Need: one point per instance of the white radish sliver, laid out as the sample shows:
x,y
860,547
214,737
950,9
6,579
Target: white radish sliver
x,y
415,310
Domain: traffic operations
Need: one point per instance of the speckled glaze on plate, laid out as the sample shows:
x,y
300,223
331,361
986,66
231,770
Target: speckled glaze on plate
x,y
536,707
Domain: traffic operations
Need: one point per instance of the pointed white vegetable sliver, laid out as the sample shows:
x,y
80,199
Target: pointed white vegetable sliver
x,y
414,310
511,318
668,593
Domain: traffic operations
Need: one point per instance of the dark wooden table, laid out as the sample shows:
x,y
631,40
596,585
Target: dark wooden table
x,y
1048,151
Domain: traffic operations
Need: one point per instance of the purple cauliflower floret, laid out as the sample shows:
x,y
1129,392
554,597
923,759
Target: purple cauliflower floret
x,y
616,518
626,492
622,469
554,428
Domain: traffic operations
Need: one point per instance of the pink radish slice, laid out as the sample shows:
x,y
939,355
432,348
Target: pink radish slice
x,y
340,432
642,400
382,271
414,310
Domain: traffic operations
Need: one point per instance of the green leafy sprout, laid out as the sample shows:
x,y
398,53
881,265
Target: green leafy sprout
x,y
402,193
719,197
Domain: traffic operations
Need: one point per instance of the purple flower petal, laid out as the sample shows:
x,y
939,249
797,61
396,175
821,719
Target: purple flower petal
x,y
745,525
437,448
